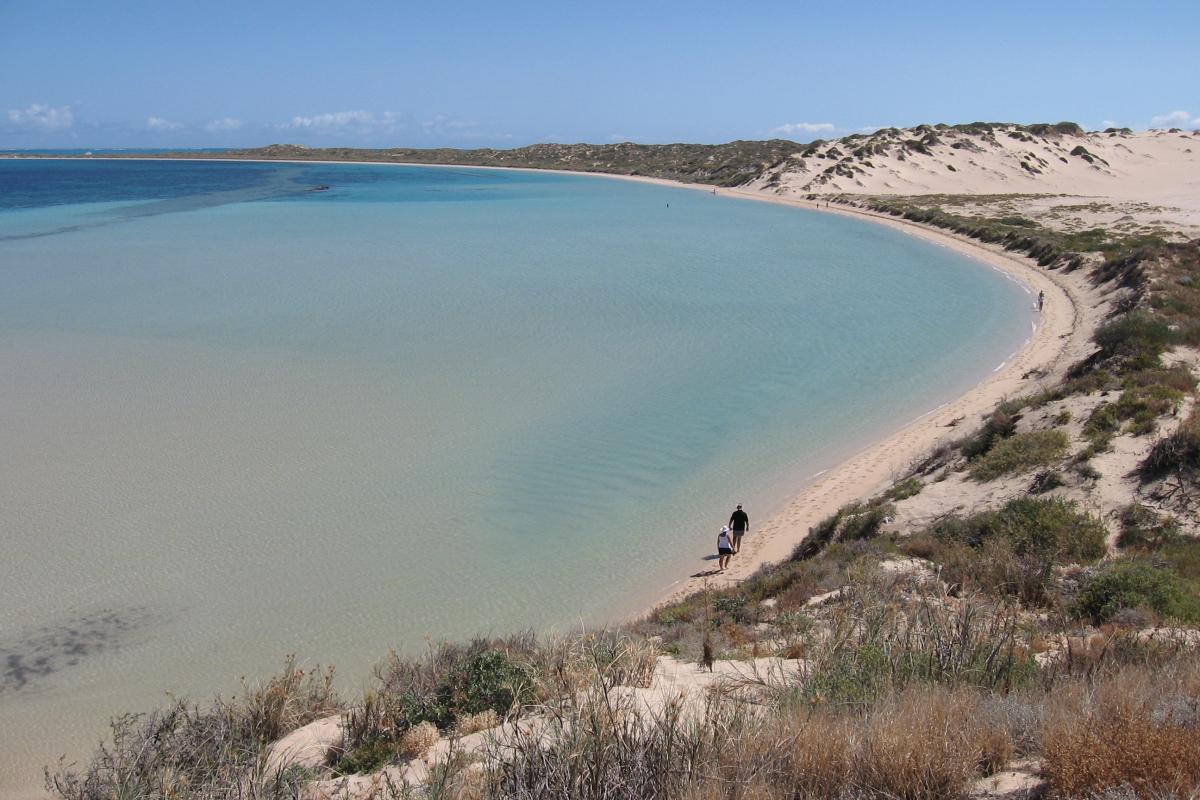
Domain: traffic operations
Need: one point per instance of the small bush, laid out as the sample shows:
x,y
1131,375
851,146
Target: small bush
x,y
865,524
491,681
1046,481
1020,452
1051,527
1135,584
1140,406
417,740
909,487
1000,425
1178,453
1142,528
1136,340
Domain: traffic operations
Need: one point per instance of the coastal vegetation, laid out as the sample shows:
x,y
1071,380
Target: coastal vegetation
x,y
1030,638
729,164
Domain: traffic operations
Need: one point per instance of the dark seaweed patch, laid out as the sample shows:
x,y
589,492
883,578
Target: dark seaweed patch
x,y
38,654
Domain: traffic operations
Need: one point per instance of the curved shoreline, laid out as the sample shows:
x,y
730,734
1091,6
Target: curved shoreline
x,y
1063,329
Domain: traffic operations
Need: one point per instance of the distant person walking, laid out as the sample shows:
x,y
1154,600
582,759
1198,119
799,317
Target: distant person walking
x,y
724,548
739,523
1041,300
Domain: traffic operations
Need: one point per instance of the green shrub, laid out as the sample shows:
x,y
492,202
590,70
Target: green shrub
x,y
1182,557
819,536
490,680
909,487
1136,584
1141,527
865,524
1140,404
1013,550
1051,527
1020,452
1137,340
1102,423
1000,425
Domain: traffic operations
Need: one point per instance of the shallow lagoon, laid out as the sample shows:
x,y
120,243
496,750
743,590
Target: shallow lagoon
x,y
241,418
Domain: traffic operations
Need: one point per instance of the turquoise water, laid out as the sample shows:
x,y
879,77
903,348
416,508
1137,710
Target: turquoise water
x,y
241,418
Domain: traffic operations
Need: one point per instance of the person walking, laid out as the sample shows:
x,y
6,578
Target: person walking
x,y
1041,300
724,548
739,523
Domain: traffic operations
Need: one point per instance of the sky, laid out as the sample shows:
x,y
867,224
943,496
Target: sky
x,y
176,73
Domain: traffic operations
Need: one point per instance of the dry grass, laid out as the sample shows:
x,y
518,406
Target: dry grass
x,y
417,740
1137,728
473,723
925,743
185,751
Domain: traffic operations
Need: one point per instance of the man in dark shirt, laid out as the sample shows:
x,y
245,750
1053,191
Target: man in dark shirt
x,y
739,524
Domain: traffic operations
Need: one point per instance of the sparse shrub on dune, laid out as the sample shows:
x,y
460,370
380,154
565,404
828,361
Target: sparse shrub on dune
x,y
1137,340
1019,452
1177,454
1144,529
1136,584
999,426
1013,550
1046,481
866,522
902,490
886,636
1052,527
462,689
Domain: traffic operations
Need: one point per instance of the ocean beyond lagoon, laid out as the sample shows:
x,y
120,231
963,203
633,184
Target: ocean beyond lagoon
x,y
253,409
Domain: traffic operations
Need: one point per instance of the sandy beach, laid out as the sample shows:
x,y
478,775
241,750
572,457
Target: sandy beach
x,y
1062,336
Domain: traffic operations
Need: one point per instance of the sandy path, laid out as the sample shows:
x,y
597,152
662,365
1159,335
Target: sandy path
x,y
1061,336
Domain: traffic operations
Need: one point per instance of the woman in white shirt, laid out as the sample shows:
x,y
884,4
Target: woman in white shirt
x,y
724,548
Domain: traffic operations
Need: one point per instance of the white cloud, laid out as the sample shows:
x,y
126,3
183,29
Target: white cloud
x,y
160,124
367,124
362,121
223,124
1108,123
793,128
41,116
1176,119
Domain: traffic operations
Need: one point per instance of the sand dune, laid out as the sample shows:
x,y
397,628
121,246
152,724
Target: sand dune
x,y
1152,176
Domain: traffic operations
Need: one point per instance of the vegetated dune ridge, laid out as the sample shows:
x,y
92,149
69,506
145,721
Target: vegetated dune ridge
x,y
1005,609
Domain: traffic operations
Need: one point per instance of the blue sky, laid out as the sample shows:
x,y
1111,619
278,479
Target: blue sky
x,y
176,73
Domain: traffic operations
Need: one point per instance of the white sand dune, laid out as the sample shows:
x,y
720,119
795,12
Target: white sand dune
x,y
1161,168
